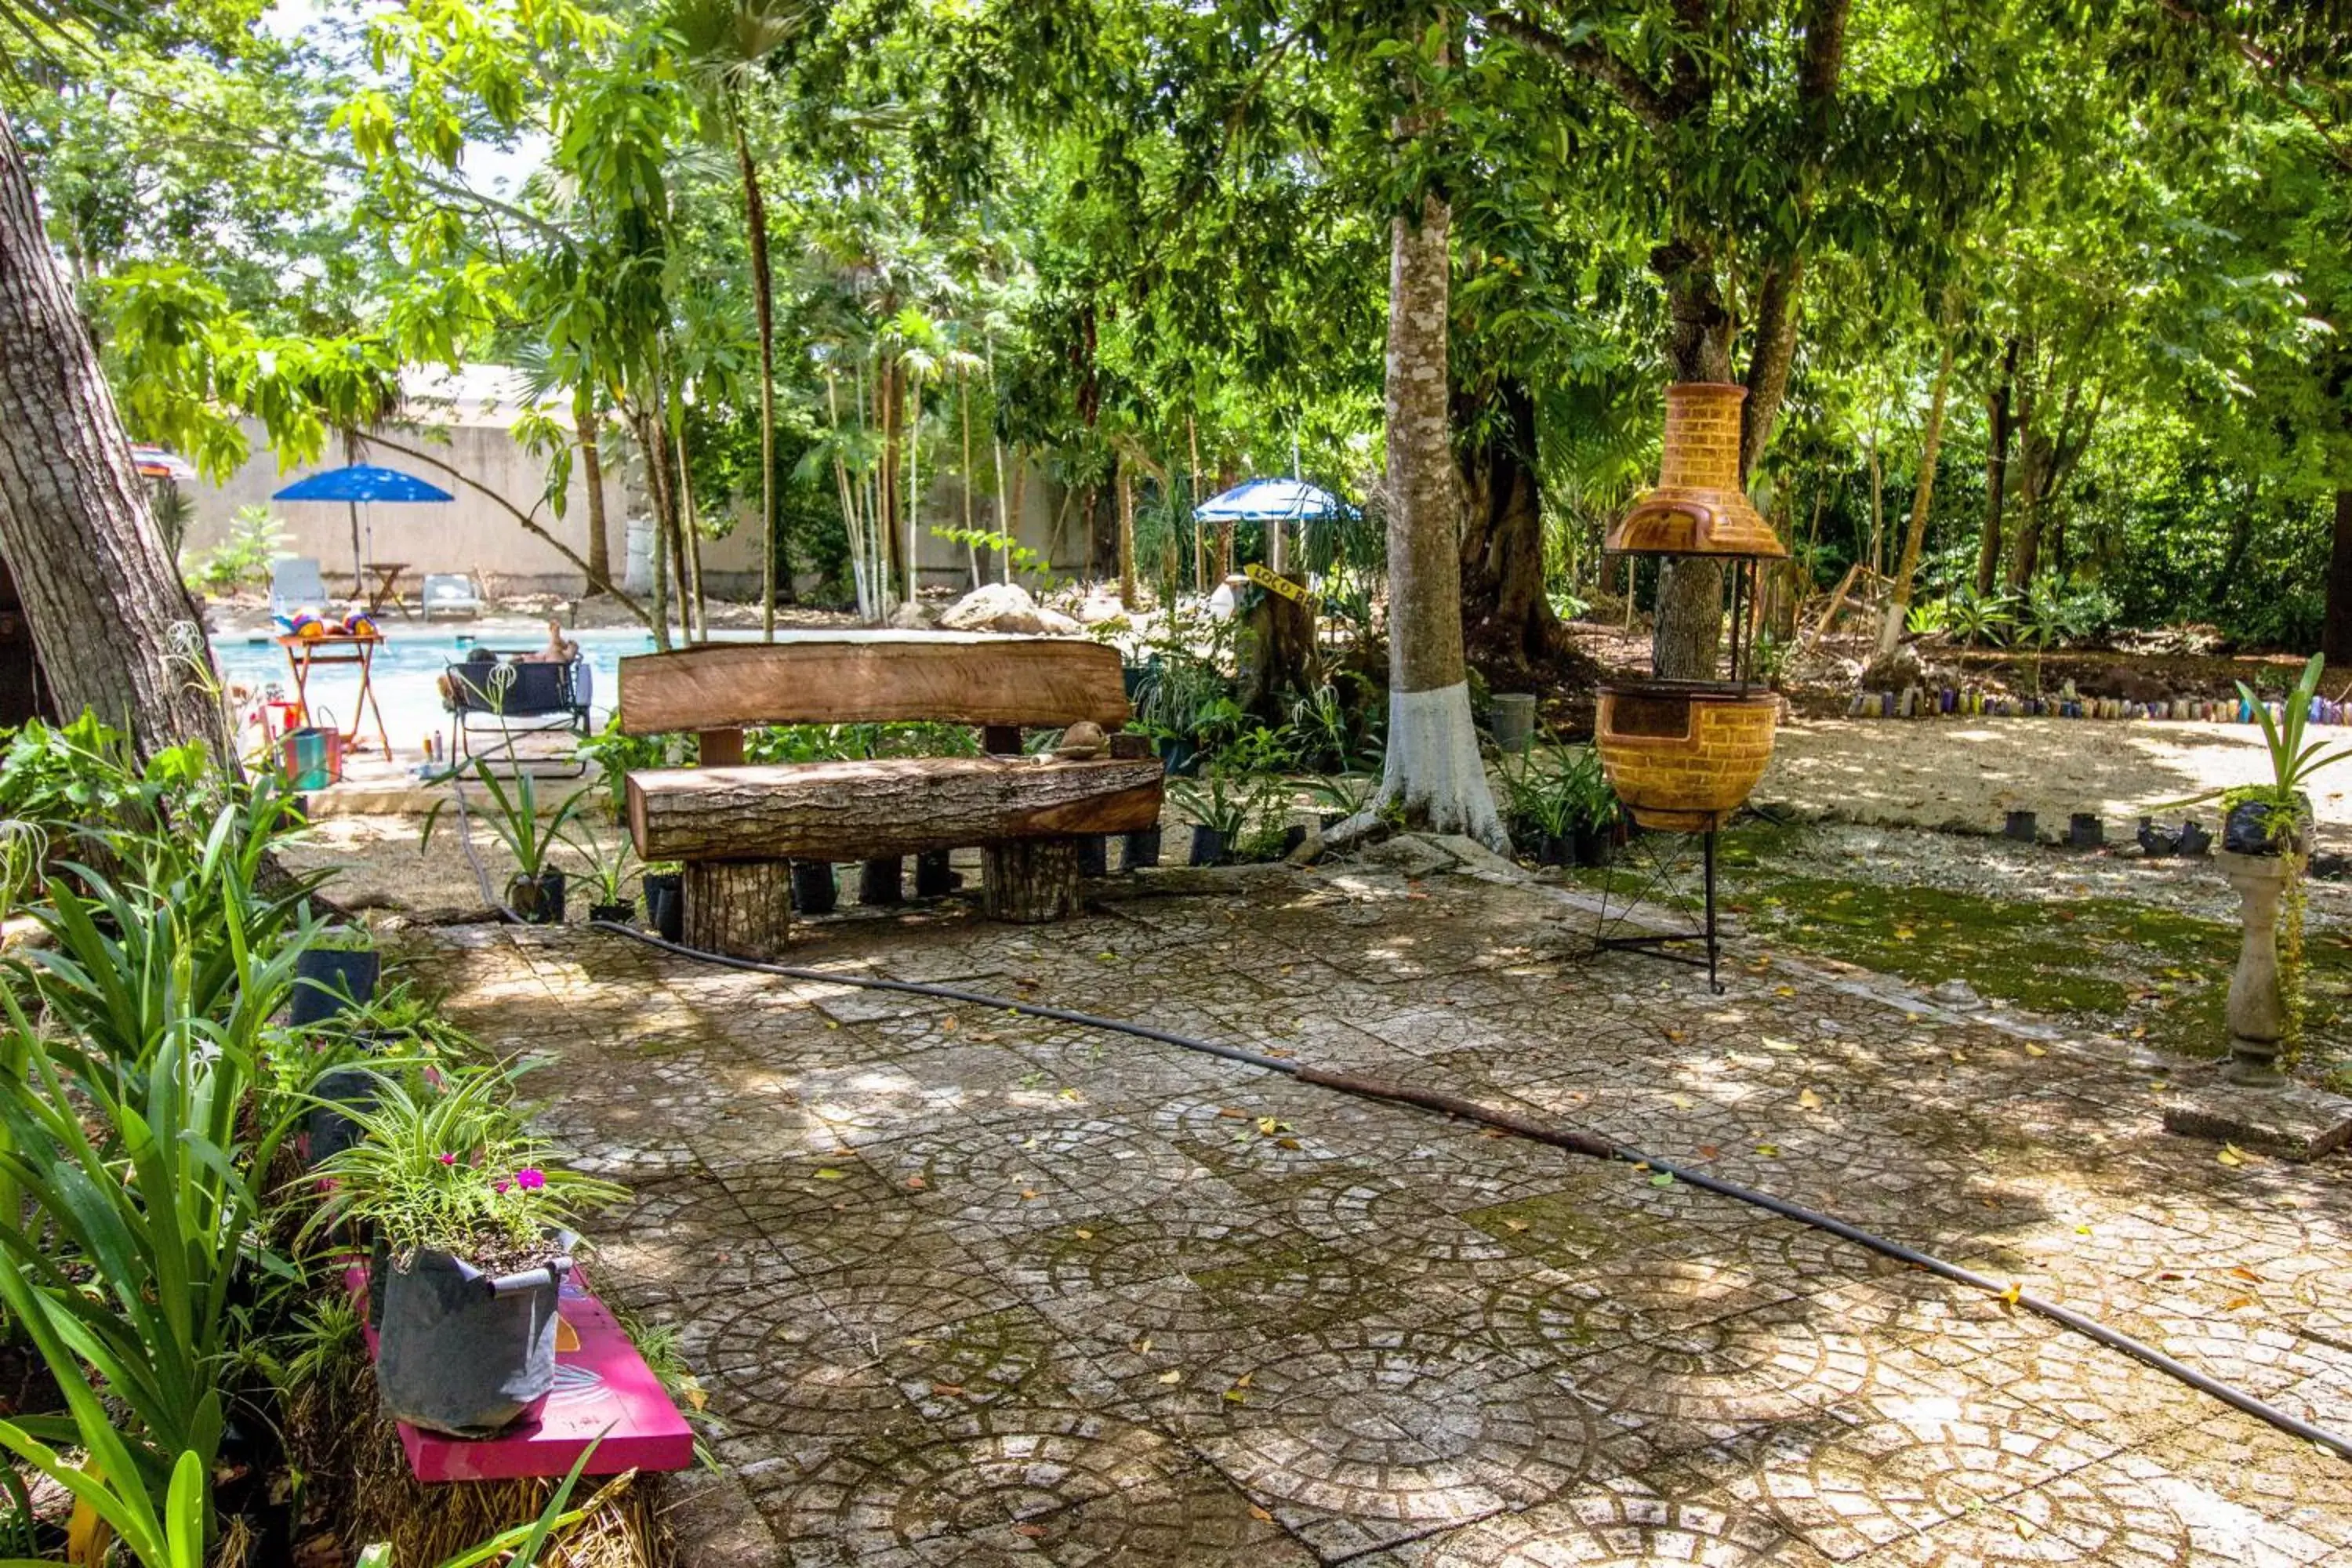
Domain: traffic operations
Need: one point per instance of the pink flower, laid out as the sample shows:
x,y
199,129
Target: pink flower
x,y
448,1159
530,1178
500,1186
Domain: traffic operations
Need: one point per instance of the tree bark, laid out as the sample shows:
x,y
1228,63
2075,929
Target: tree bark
x,y
1433,770
741,907
1030,880
591,473
763,310
1998,433
1129,599
1688,627
2336,634
118,634
1505,612
1914,538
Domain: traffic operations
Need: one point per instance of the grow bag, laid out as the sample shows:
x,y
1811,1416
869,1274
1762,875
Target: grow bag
x,y
1684,755
462,1353
328,980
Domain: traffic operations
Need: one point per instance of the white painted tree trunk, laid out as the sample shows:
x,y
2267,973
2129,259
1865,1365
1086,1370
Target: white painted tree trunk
x,y
1433,774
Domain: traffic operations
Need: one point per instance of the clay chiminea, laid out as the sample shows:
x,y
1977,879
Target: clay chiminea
x,y
1684,755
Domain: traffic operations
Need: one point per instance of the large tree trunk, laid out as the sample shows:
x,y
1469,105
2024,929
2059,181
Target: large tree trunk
x,y
2336,634
764,310
1998,433
117,631
1689,607
1914,538
1432,770
1506,613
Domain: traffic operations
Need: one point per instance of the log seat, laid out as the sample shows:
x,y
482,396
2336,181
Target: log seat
x,y
736,827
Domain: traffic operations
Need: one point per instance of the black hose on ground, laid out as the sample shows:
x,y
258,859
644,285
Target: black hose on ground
x,y
1571,1140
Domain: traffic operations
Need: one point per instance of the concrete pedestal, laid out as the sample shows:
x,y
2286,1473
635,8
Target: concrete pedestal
x,y
2257,1012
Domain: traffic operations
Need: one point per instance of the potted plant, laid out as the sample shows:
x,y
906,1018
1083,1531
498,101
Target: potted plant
x,y
608,875
665,886
336,971
536,890
1536,806
474,1221
1220,811
1592,815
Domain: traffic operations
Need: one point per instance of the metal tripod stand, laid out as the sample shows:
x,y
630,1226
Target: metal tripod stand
x,y
1664,866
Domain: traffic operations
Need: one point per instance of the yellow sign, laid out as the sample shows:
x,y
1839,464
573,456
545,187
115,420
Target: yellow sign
x,y
1273,584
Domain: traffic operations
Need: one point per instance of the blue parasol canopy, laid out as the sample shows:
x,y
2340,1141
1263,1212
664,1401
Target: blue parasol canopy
x,y
362,481
1272,500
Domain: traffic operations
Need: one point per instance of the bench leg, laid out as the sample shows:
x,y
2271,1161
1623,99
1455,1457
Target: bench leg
x,y
741,907
1031,880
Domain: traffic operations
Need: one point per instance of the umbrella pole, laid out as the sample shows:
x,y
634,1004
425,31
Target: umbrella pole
x,y
359,583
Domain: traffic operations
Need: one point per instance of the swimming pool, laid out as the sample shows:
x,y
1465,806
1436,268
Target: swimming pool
x,y
408,663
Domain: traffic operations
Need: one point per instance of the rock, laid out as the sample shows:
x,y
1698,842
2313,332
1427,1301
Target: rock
x,y
1415,854
1097,608
1898,670
2129,685
909,618
1957,994
2292,1122
1476,858
1004,607
1054,623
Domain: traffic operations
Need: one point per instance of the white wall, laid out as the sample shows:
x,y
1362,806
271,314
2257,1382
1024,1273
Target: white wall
x,y
474,536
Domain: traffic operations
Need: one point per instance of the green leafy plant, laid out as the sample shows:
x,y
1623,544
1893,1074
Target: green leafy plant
x,y
611,862
1929,617
453,1170
514,817
615,757
256,541
1346,794
1555,791
1975,619
1221,803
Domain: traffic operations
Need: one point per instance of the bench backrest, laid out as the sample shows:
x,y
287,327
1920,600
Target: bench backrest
x,y
873,677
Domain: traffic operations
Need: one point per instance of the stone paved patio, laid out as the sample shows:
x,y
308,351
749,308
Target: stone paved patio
x,y
966,1287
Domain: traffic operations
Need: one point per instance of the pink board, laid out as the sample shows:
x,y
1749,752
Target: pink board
x,y
602,1389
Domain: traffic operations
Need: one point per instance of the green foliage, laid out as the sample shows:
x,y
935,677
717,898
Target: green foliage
x,y
2292,764
514,816
452,1168
1554,791
256,541
834,742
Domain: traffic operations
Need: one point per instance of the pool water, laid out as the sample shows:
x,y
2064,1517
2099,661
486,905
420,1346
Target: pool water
x,y
408,665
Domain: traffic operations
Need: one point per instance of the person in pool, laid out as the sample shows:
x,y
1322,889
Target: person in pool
x,y
560,649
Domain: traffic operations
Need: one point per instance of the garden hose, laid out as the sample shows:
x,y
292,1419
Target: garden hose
x,y
1573,1141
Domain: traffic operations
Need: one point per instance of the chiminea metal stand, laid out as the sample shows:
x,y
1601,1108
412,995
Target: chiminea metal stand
x,y
1664,866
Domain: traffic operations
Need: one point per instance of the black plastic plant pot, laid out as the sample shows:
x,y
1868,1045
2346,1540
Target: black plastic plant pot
x,y
1094,855
2086,831
1141,850
2262,827
2020,827
2196,840
620,912
1293,837
1208,846
465,1354
1182,754
1592,845
933,877
666,904
878,882
538,899
814,890
328,980
329,1128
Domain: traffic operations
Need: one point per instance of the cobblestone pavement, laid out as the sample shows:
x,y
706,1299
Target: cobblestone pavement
x,y
966,1287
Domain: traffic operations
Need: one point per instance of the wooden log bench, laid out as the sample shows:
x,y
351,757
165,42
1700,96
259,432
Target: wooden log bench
x,y
737,828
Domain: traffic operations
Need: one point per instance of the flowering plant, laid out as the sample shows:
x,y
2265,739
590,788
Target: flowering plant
x,y
455,1172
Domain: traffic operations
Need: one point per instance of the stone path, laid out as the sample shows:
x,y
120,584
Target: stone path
x,y
969,1289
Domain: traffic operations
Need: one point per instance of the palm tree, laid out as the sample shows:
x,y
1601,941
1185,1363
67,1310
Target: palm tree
x,y
726,43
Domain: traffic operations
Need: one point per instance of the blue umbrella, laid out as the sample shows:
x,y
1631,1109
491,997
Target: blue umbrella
x,y
1272,500
363,482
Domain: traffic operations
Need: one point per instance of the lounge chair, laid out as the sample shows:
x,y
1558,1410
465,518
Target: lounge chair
x,y
450,593
502,697
294,584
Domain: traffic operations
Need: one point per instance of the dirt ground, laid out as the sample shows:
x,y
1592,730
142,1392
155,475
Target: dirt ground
x,y
1935,772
